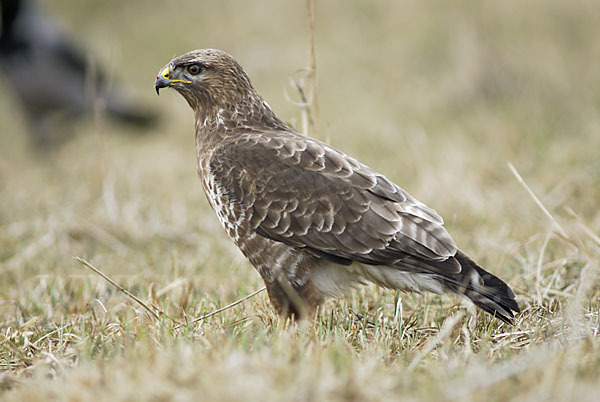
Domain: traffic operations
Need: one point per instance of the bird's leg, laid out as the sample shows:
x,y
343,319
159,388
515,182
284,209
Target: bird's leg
x,y
286,300
296,302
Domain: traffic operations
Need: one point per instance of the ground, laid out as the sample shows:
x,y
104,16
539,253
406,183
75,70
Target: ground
x,y
438,96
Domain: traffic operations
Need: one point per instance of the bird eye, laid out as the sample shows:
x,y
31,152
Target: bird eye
x,y
194,69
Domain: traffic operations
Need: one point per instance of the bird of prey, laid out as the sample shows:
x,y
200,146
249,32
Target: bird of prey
x,y
51,78
312,220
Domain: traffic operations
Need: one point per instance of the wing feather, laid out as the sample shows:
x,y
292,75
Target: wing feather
x,y
307,194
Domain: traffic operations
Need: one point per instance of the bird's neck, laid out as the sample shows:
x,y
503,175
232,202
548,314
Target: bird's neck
x,y
229,119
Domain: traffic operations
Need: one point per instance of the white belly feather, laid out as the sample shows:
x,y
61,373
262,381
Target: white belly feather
x,y
337,280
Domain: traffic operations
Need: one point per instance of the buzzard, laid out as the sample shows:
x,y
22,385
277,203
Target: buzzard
x,y
312,220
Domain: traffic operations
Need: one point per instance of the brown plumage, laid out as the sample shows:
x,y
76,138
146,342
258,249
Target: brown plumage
x,y
312,220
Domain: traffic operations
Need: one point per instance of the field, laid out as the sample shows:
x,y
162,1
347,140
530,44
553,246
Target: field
x,y
439,96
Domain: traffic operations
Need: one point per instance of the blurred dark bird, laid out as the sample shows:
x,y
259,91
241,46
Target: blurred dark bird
x,y
51,77
312,220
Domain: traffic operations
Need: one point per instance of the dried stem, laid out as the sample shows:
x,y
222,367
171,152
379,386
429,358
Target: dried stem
x,y
559,228
313,108
121,288
445,331
235,303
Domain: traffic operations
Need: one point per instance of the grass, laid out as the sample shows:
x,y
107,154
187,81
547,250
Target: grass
x,y
438,96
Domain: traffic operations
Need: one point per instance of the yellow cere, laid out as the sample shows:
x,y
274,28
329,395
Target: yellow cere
x,y
165,74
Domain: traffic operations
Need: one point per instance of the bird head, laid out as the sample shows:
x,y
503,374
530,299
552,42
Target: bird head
x,y
207,79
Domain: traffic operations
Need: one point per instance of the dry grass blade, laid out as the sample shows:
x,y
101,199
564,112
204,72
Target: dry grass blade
x,y
583,226
121,288
235,303
537,201
15,349
313,110
538,279
49,334
444,332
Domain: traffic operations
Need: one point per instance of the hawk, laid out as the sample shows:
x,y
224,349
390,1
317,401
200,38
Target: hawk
x,y
312,220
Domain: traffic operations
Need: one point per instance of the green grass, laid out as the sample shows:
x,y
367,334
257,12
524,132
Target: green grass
x,y
438,96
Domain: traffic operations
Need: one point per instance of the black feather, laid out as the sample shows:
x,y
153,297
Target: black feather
x,y
484,289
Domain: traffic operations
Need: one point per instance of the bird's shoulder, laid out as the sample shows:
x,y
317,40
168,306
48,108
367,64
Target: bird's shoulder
x,y
277,153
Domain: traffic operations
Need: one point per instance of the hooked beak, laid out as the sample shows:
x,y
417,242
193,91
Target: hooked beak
x,y
160,83
165,79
